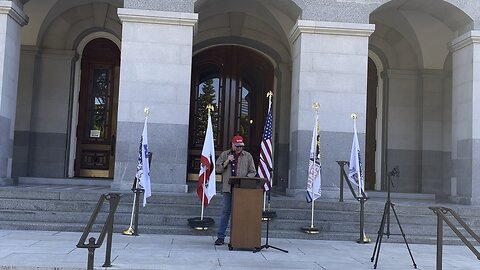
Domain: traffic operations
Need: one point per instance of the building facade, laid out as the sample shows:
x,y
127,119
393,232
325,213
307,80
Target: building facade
x,y
77,75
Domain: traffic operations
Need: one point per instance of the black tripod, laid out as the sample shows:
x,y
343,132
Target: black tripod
x,y
267,246
386,219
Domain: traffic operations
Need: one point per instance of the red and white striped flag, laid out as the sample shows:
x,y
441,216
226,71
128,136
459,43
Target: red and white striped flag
x,y
206,176
265,166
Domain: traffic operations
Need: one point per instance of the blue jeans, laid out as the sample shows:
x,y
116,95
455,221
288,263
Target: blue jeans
x,y
227,209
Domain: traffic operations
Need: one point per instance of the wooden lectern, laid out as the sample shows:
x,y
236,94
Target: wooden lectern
x,y
246,223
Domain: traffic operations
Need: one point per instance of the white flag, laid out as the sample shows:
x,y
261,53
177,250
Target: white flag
x,y
143,168
206,176
314,183
355,172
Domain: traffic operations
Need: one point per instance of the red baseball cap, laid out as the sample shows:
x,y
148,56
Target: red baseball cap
x,y
237,140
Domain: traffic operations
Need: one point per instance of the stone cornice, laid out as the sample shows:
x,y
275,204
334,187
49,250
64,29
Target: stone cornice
x,y
465,40
330,28
15,12
157,17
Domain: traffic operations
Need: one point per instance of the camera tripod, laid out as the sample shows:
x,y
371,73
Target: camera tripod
x,y
267,246
386,221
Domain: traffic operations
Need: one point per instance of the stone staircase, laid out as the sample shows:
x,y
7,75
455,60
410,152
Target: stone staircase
x,y
68,208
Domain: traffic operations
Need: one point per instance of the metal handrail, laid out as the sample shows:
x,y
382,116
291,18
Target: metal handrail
x,y
441,213
343,175
362,199
107,230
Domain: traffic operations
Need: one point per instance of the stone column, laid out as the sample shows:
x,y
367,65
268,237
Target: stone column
x,y
466,119
281,136
12,19
403,121
433,122
155,72
25,98
47,136
329,67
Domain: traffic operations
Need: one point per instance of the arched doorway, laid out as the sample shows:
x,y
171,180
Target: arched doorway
x,y
235,80
98,103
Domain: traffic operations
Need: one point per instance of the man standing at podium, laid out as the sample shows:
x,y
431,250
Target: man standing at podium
x,y
235,162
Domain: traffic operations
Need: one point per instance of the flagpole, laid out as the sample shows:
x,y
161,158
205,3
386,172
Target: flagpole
x,y
202,223
133,209
203,195
209,108
316,154
264,200
269,96
130,230
313,203
315,107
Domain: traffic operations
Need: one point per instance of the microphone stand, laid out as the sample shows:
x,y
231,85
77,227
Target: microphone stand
x,y
267,246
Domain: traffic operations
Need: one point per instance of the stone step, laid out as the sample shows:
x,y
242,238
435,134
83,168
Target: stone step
x,y
214,210
35,209
288,210
181,221
60,208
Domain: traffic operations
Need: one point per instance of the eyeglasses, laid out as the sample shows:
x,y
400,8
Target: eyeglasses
x,y
238,145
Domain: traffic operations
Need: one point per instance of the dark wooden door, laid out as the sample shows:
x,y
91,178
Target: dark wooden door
x,y
98,103
236,81
371,142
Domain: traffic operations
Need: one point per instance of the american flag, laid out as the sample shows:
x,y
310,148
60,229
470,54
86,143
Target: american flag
x,y
265,166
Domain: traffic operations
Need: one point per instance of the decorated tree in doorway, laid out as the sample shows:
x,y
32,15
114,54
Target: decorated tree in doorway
x,y
206,95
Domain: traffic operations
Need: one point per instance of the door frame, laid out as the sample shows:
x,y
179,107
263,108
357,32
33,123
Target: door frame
x,y
379,153
74,104
234,84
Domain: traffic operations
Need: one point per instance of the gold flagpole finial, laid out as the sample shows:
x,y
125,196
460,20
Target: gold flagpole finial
x,y
353,116
210,108
316,107
146,111
270,95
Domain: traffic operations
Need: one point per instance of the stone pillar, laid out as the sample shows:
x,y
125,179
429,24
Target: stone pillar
x,y
433,144
403,121
155,72
23,117
47,136
329,67
466,119
281,125
12,19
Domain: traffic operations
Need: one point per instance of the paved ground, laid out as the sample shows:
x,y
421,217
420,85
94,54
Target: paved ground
x,y
44,250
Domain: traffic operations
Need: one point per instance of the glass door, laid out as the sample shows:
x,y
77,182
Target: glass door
x,y
98,103
235,80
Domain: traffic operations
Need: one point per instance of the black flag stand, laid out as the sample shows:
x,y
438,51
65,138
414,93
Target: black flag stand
x,y
386,219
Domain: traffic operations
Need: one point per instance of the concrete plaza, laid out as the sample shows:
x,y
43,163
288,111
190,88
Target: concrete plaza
x,y
57,250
